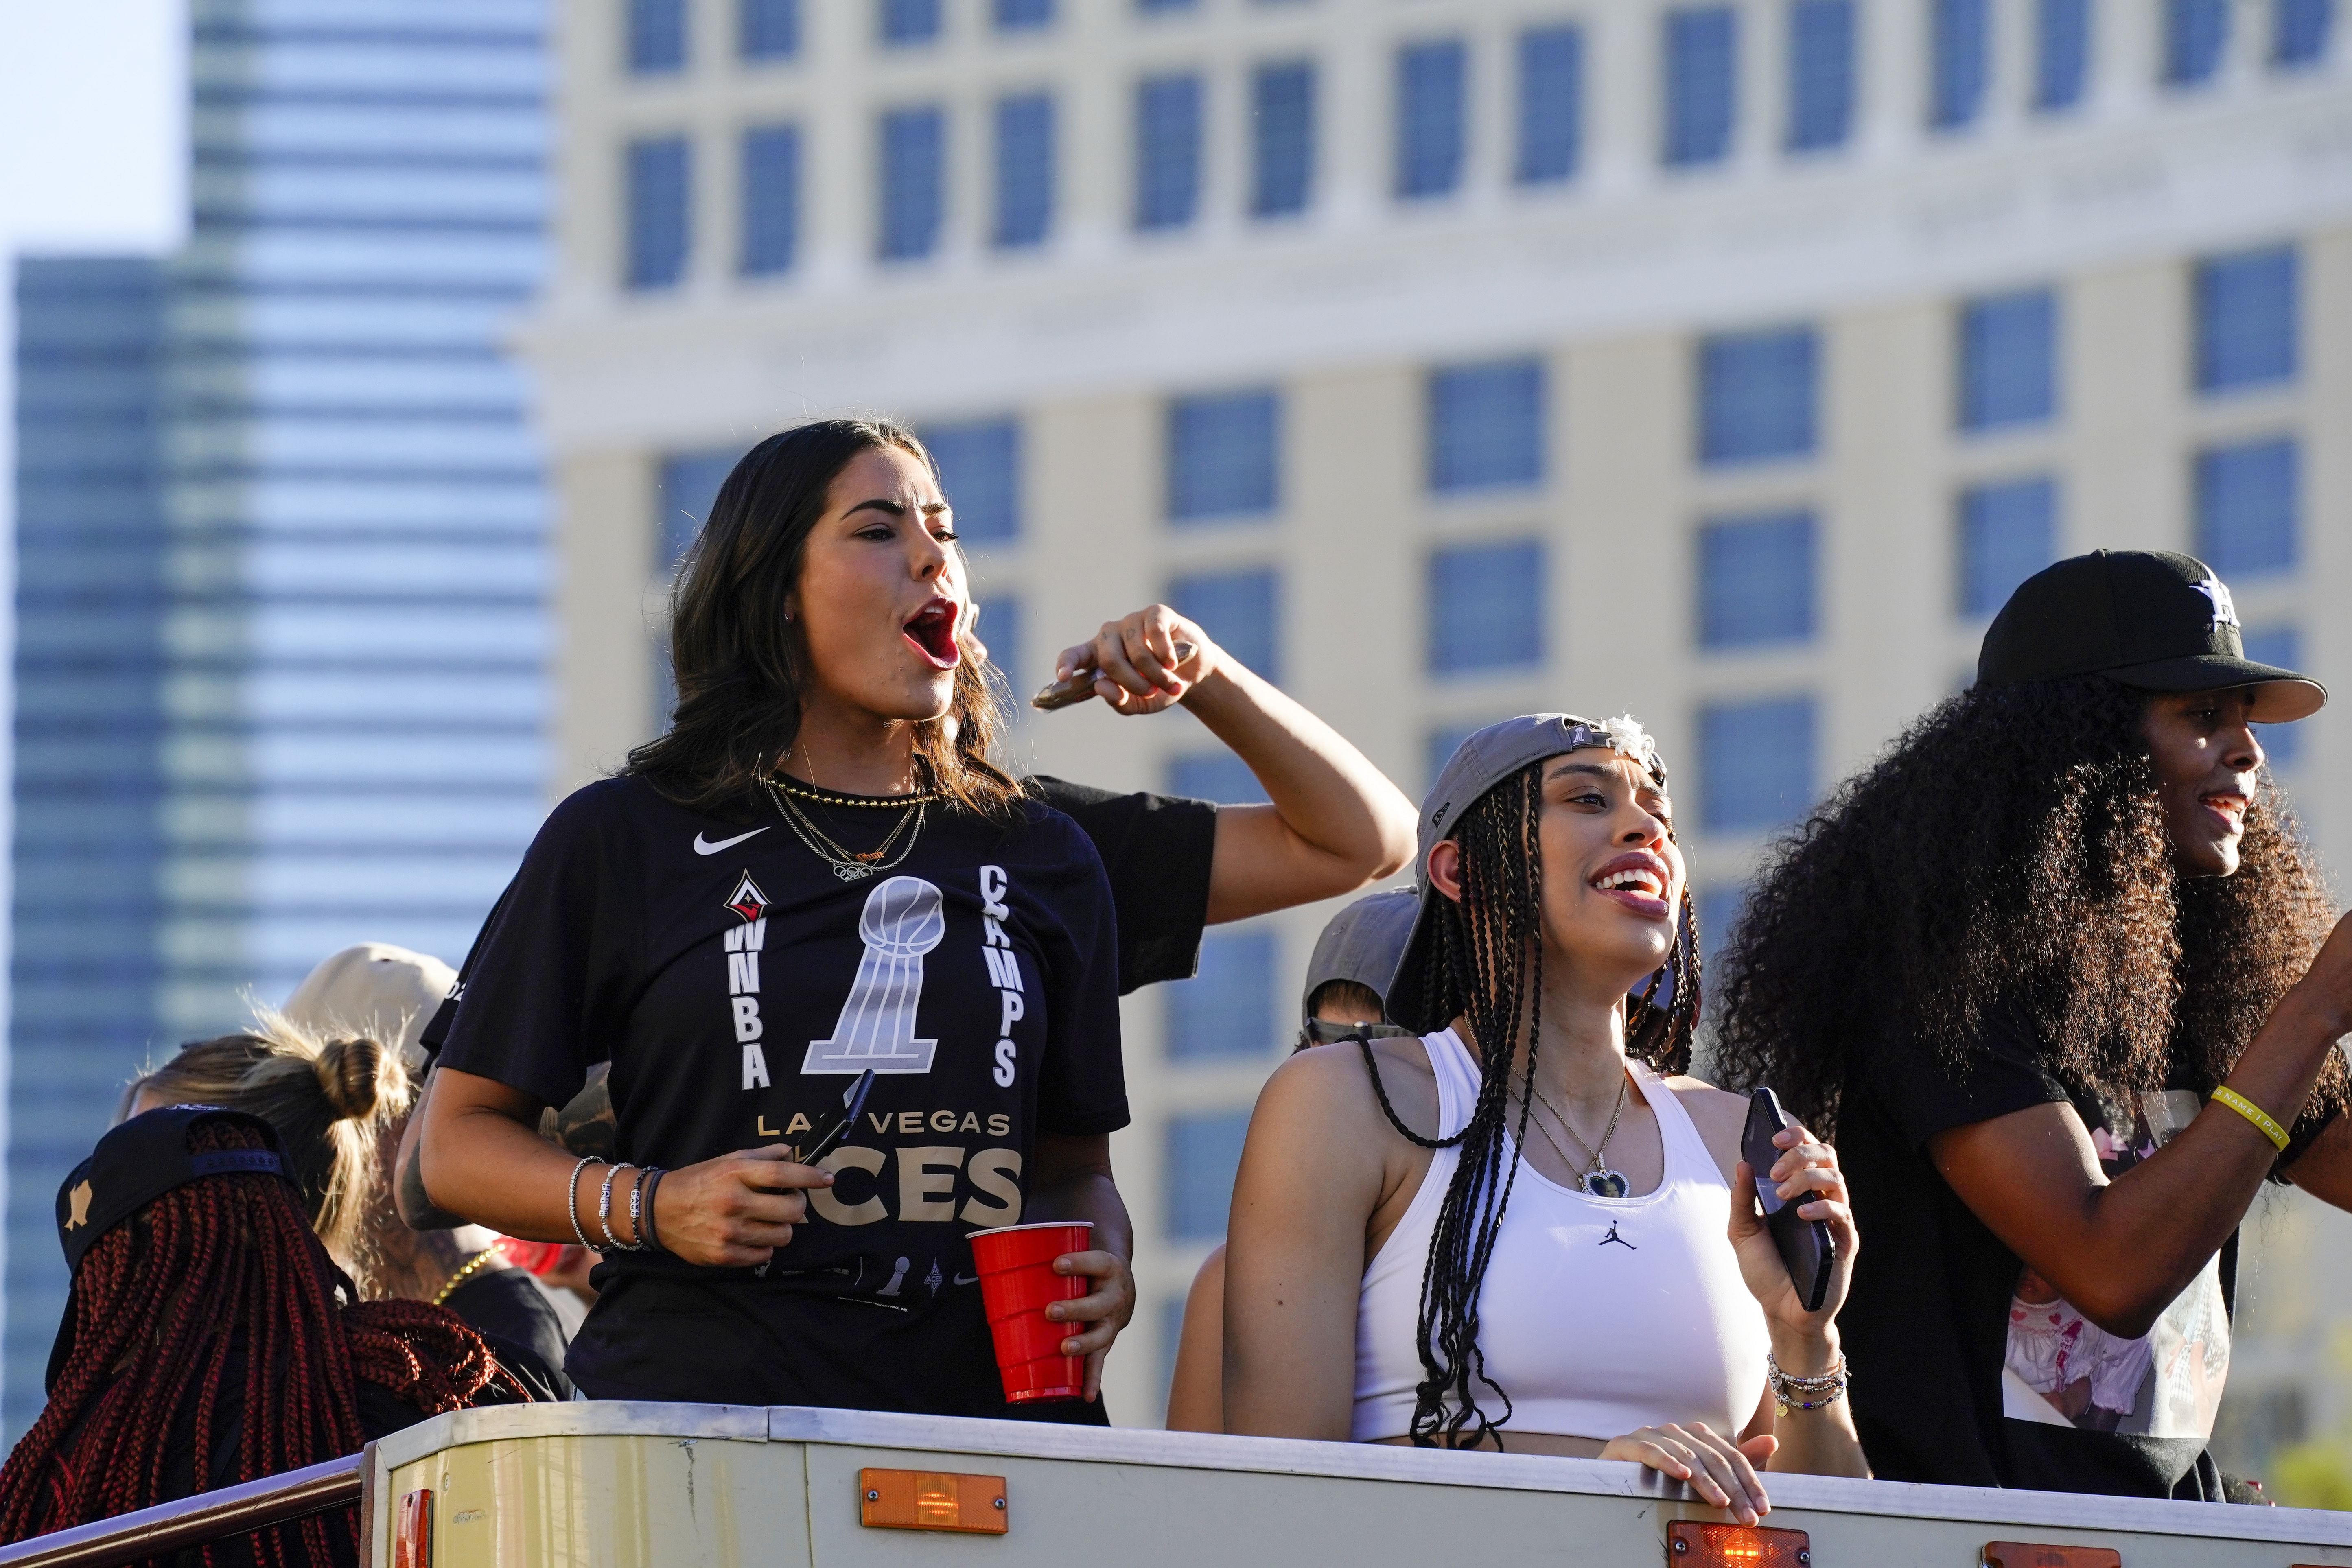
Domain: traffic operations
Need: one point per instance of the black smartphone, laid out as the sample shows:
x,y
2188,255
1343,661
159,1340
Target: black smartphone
x,y
829,1127
1805,1244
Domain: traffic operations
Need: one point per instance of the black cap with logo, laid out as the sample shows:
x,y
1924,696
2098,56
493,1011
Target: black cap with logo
x,y
143,1159
2149,618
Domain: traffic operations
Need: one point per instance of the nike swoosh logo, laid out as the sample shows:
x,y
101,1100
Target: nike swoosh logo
x,y
704,846
967,1279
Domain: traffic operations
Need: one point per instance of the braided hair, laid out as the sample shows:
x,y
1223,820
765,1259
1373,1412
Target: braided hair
x,y
156,1308
1485,966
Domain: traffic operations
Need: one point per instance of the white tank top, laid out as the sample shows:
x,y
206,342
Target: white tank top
x,y
1599,1316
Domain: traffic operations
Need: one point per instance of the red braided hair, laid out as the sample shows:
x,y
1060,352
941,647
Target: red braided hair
x,y
156,1308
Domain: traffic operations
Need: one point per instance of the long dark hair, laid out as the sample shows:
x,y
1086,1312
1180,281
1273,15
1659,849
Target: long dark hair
x,y
741,665
2010,850
1486,967
155,1308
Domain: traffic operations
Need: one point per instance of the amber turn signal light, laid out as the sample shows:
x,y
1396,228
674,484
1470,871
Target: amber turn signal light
x,y
931,1500
1691,1544
2022,1554
412,1531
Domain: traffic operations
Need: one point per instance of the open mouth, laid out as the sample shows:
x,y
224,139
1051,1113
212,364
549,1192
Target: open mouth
x,y
1639,882
2231,808
932,631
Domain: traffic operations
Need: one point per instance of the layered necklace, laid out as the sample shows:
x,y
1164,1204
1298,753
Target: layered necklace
x,y
850,864
1598,1179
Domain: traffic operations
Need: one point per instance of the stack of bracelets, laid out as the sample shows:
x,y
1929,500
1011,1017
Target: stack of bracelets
x,y
641,1206
1793,1392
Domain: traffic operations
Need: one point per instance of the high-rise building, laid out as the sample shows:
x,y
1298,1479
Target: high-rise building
x,y
281,526
1725,362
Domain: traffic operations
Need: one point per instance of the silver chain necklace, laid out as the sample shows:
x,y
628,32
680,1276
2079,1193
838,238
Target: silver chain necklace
x,y
1599,1178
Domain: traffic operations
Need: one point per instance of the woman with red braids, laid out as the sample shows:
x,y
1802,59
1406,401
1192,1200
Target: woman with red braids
x,y
208,1340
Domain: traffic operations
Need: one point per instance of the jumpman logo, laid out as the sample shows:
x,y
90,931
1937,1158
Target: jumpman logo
x,y
901,922
1620,1240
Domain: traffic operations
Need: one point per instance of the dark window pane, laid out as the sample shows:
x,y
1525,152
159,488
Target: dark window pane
x,y
1024,170
2009,359
914,146
690,482
1012,16
656,35
1000,628
1487,607
1432,83
1205,1150
2299,30
898,22
979,470
1227,1008
2062,52
1756,763
1718,911
1963,50
1551,104
2246,318
1224,455
1485,427
1702,61
2008,533
1167,152
1757,395
1282,139
2196,38
771,198
1217,775
2247,499
659,178
768,29
1756,577
1820,73
1241,609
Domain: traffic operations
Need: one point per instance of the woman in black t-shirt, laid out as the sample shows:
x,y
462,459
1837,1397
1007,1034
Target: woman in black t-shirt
x,y
814,873
2057,970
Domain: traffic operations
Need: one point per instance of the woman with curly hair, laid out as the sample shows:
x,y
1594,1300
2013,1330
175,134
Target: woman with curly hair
x,y
1512,1232
2056,973
208,1340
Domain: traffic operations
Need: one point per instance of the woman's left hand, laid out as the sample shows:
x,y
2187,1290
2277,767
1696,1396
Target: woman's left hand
x,y
1806,1166
1105,1310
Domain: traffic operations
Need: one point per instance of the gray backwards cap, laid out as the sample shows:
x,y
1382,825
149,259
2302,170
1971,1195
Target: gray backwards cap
x,y
1361,943
1494,753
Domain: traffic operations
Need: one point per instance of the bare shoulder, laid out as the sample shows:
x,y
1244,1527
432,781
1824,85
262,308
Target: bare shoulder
x,y
1720,1116
1328,1085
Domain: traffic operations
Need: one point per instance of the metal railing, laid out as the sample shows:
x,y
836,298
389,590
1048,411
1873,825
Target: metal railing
x,y
188,1521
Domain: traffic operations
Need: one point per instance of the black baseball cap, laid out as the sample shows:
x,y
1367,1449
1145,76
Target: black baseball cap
x,y
2149,618
145,1157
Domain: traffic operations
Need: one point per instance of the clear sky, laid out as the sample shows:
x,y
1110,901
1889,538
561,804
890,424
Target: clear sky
x,y
93,114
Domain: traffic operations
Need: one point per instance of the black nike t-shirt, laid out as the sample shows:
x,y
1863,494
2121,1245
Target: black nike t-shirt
x,y
1968,1367
737,986
1158,850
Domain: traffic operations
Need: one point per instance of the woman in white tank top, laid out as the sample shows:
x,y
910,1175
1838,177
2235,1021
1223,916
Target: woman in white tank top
x,y
1552,1262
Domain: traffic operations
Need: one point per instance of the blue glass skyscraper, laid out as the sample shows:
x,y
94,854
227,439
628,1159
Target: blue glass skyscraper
x,y
281,673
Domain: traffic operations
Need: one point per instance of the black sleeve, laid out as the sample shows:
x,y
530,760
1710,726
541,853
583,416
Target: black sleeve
x,y
1926,1092
437,1029
1157,850
554,970
1082,1089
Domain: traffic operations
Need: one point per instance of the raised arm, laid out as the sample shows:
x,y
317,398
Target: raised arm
x,y
2122,1250
1335,823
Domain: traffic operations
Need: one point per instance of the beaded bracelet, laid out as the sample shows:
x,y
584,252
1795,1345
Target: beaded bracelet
x,y
571,1199
1792,1391
2262,1119
637,1213
604,1208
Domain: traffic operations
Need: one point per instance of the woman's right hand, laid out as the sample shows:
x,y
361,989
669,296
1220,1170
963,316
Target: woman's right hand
x,y
732,1211
1721,1471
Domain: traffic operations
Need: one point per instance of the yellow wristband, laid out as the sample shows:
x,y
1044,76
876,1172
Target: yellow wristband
x,y
2254,1113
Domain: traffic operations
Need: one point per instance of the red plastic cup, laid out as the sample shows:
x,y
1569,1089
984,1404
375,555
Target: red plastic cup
x,y
1017,1282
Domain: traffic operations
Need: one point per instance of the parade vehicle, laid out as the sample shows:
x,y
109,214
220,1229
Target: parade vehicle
x,y
608,1484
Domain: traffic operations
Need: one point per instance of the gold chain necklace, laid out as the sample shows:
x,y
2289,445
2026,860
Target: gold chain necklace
x,y
847,865
449,1286
869,803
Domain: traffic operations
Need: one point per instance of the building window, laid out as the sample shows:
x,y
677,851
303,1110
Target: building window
x,y
2299,30
1485,427
2008,531
688,485
914,147
1757,395
1020,16
980,471
2246,318
1551,104
1821,74
1702,69
659,174
2247,499
1167,152
1282,140
1756,763
1718,910
1242,610
1962,62
771,199
1226,1009
1431,84
1205,1152
2281,646
997,622
1024,170
2196,38
2008,359
1150,6
2062,52
1217,775
901,22
768,29
1487,607
1223,456
656,37
1755,580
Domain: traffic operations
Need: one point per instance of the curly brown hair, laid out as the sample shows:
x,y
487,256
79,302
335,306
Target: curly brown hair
x,y
2008,849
